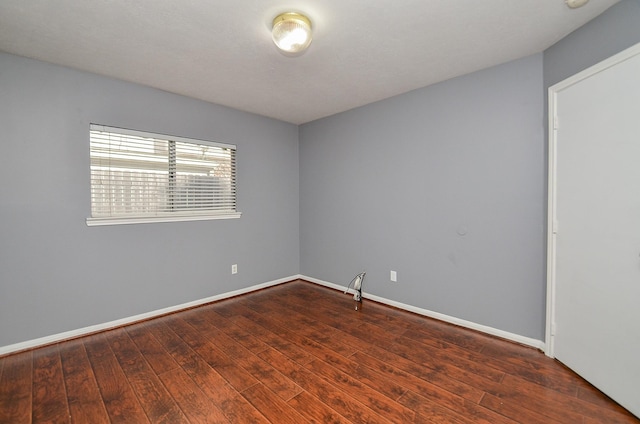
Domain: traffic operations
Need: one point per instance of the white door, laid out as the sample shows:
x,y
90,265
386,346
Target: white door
x,y
595,226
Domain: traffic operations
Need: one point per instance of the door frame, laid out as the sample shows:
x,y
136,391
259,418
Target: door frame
x,y
552,223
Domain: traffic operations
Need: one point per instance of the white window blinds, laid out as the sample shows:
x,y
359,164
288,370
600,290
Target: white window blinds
x,y
146,177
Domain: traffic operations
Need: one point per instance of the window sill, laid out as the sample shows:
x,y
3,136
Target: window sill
x,y
94,222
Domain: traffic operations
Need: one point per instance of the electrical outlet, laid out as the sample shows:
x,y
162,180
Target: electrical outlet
x,y
393,276
234,268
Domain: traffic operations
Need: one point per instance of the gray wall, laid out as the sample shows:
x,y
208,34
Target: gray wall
x,y
387,186
57,274
392,185
613,31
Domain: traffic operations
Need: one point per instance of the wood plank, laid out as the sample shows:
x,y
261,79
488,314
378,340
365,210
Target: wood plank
x,y
271,406
470,411
513,410
233,405
531,365
440,332
453,360
49,392
16,388
309,328
228,308
336,399
272,379
261,370
383,383
376,401
429,410
237,376
218,388
118,397
296,352
589,393
464,369
223,332
273,340
281,329
554,405
199,338
157,402
424,381
194,403
150,348
314,411
85,401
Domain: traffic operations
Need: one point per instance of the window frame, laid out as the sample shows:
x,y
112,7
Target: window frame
x,y
188,214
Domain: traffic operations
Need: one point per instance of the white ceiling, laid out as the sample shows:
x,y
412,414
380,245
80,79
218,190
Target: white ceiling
x,y
221,50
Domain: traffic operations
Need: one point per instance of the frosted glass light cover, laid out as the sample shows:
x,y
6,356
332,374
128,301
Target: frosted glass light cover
x,y
291,32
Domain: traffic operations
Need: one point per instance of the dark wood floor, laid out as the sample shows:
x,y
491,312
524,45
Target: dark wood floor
x,y
295,353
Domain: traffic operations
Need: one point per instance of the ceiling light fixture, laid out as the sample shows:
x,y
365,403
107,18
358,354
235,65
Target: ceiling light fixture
x,y
291,32
574,4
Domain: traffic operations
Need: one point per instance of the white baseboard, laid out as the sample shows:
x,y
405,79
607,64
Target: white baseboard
x,y
538,344
43,341
67,335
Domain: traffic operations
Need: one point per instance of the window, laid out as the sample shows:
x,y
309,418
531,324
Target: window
x,y
144,177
